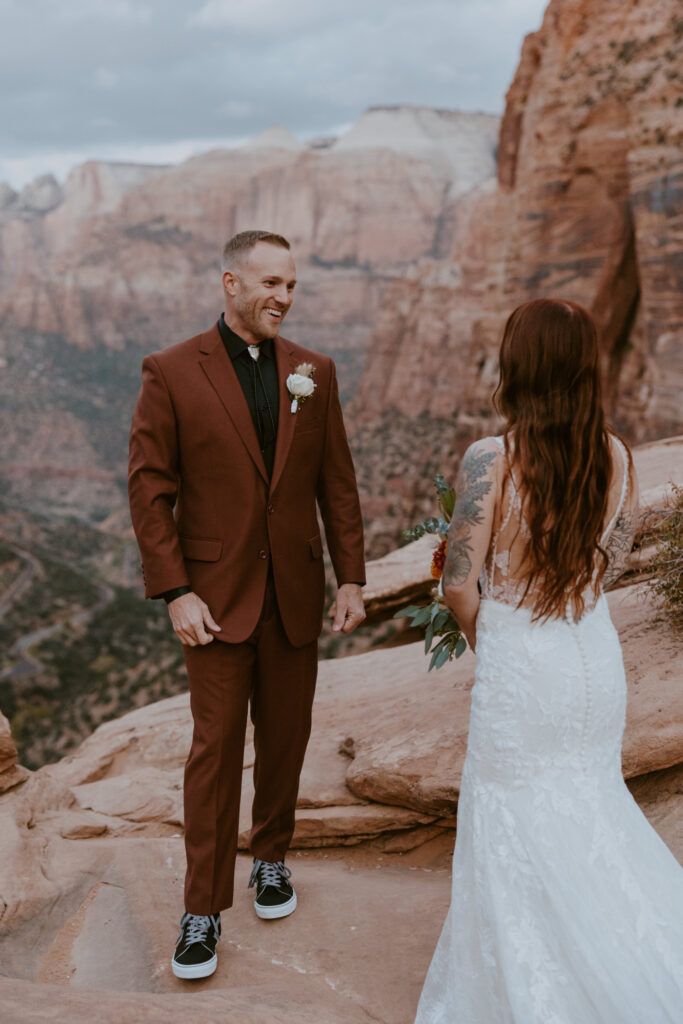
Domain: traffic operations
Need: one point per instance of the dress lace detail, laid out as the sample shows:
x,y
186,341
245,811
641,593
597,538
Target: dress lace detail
x,y
567,907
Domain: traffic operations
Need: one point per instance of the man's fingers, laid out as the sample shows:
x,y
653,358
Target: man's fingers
x,y
189,615
340,616
193,633
353,619
199,633
346,619
209,620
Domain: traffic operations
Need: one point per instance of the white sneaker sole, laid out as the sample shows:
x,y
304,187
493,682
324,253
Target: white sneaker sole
x,y
271,913
190,972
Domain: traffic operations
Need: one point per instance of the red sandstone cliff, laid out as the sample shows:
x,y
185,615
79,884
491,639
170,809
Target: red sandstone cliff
x,y
410,253
589,205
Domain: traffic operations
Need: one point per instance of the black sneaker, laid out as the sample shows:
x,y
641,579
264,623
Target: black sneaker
x,y
195,954
275,897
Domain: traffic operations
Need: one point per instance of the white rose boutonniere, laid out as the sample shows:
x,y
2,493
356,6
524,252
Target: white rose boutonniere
x,y
300,384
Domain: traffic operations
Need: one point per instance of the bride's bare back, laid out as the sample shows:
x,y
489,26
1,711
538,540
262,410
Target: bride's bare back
x,y
489,537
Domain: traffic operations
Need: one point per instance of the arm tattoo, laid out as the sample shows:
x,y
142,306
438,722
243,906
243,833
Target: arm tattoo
x,y
618,548
472,489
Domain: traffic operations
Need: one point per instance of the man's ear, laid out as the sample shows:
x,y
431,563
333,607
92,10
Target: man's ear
x,y
230,283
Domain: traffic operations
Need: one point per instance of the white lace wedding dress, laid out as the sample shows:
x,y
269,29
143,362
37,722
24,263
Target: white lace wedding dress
x,y
567,907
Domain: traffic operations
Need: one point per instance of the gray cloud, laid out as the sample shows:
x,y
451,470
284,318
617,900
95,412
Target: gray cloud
x,y
128,80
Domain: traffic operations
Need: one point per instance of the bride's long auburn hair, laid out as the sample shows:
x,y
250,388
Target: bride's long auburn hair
x,y
555,438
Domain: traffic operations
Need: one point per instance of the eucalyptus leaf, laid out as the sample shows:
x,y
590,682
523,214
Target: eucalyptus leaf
x,y
423,616
441,620
460,647
429,636
439,645
435,655
444,656
404,612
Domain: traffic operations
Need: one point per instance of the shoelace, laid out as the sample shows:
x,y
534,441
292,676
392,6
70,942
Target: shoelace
x,y
269,873
197,927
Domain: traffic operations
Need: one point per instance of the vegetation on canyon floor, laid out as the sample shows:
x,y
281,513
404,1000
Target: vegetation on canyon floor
x,y
80,644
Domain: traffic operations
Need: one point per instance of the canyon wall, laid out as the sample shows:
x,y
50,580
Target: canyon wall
x,y
588,205
133,253
413,244
122,260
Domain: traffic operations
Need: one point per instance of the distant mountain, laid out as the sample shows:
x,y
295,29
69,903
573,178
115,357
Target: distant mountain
x,y
124,259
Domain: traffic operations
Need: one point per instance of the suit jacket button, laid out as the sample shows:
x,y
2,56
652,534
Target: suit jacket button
x,y
263,553
271,509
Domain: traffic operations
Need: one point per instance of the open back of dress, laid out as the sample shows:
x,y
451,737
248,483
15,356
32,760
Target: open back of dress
x,y
505,573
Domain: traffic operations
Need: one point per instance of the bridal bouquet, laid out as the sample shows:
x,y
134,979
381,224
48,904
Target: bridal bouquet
x,y
435,617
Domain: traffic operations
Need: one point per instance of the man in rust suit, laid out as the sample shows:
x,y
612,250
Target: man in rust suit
x,y
237,435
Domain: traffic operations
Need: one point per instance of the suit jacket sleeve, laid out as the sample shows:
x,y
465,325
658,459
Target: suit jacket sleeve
x,y
338,497
153,483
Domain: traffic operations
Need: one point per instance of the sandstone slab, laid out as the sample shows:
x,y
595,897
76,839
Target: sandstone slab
x,y
385,732
314,968
11,773
399,578
658,465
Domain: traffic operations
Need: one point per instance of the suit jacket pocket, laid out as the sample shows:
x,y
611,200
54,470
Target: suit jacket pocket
x,y
200,549
316,546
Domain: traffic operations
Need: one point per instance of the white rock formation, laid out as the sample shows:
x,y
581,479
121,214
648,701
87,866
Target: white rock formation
x,y
467,140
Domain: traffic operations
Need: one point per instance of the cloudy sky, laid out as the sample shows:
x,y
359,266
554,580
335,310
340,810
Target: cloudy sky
x,y
158,80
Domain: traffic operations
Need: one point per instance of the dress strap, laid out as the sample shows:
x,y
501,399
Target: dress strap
x,y
624,489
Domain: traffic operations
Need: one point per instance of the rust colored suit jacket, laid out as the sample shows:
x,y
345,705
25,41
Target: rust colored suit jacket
x,y
203,509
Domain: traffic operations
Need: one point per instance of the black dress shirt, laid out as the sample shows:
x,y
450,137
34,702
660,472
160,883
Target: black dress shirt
x,y
260,385
259,381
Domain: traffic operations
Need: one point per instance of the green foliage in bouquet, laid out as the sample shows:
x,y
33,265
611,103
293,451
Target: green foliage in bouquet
x,y
437,621
435,618
446,502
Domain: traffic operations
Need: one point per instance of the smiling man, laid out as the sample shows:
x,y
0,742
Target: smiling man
x,y
229,457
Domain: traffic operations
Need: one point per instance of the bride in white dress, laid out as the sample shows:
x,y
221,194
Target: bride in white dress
x,y
567,907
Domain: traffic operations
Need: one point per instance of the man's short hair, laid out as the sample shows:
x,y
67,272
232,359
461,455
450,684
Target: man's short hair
x,y
237,247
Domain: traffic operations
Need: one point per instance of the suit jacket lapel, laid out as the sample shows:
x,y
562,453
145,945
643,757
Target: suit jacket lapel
x,y
286,421
217,366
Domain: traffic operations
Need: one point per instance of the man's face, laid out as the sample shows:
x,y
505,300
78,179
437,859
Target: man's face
x,y
259,292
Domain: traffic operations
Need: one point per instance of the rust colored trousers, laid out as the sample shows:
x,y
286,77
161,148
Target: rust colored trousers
x,y
278,680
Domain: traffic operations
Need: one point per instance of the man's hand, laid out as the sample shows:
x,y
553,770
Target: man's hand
x,y
350,610
190,618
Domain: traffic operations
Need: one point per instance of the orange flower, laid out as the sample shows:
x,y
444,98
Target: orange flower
x,y
438,559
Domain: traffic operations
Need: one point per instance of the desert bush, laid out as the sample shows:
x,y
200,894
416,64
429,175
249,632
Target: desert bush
x,y
664,530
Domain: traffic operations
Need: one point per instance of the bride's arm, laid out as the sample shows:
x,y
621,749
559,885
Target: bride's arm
x,y
470,533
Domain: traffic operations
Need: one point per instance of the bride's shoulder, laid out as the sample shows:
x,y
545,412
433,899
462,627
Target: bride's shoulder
x,y
484,457
624,477
487,444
